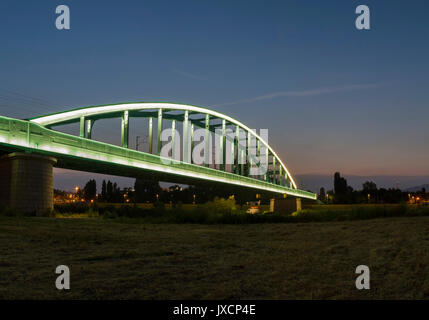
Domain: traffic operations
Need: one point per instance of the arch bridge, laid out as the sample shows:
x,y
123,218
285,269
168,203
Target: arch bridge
x,y
37,137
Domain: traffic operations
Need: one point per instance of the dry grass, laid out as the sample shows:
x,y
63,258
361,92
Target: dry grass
x,y
109,259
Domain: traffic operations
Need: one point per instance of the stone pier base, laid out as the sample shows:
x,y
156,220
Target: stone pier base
x,y
287,206
27,183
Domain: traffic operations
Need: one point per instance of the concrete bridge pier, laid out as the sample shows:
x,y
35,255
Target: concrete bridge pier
x,y
27,182
298,204
287,206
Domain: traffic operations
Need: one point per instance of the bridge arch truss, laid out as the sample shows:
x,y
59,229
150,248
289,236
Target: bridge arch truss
x,y
277,179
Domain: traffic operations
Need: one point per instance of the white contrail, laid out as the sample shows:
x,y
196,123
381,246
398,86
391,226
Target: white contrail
x,y
305,93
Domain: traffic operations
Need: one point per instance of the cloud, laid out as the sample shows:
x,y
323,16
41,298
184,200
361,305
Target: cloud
x,y
187,74
305,93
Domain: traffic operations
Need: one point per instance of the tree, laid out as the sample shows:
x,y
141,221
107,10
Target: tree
x,y
104,191
90,190
331,196
116,194
109,191
322,194
369,191
369,187
340,184
146,190
343,193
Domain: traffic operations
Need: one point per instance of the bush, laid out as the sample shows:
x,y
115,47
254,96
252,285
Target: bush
x,y
110,215
219,205
76,207
92,213
53,213
356,212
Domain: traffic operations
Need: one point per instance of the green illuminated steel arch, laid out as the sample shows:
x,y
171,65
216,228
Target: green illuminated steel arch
x,y
88,115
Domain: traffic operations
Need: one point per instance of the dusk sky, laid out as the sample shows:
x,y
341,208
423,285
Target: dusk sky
x,y
334,98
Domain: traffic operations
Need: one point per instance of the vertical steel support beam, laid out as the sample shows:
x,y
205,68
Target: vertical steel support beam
x,y
173,139
249,153
89,124
280,175
150,134
82,127
192,141
242,156
125,130
159,132
232,157
267,161
258,154
207,142
237,148
223,145
185,137
274,170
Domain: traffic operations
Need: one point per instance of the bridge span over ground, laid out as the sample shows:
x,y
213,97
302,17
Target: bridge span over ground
x,y
32,147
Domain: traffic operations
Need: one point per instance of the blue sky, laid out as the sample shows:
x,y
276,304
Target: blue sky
x,y
334,98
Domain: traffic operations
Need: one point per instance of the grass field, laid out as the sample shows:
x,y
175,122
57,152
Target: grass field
x,y
110,259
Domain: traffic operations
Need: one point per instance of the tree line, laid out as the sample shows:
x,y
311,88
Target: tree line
x,y
150,191
344,194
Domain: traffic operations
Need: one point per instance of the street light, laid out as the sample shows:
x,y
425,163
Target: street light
x,y
77,190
